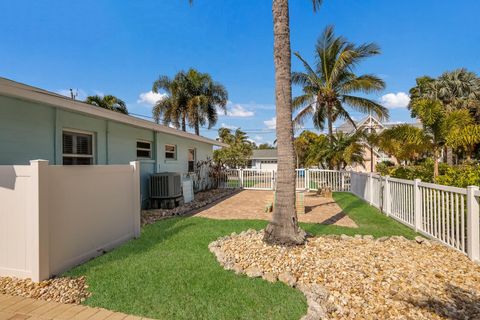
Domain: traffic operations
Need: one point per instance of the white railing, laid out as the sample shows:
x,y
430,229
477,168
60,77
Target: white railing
x,y
447,214
306,179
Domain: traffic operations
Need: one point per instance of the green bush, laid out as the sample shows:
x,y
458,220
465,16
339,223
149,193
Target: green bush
x,y
460,176
457,176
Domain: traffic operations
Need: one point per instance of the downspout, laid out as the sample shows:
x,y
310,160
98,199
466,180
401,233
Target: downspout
x,y
155,152
107,141
55,137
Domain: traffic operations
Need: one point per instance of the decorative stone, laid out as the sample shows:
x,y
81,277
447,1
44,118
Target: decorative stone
x,y
390,278
287,278
420,239
254,272
269,276
368,237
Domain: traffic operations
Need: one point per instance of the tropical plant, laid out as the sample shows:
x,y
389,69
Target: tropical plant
x,y
342,151
331,84
303,145
238,152
108,102
284,227
192,96
405,142
172,109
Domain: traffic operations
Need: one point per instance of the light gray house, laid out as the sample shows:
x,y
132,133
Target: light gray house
x,y
38,124
263,159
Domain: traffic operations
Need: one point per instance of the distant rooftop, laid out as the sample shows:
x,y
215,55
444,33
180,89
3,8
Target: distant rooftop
x,y
264,154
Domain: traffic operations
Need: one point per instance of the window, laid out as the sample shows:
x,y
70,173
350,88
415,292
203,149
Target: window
x,y
170,152
77,148
192,157
144,150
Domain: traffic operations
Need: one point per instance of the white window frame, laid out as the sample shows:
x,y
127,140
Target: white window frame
x,y
92,134
194,158
144,149
174,152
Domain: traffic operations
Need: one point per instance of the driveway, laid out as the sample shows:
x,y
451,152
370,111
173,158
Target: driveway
x,y
250,204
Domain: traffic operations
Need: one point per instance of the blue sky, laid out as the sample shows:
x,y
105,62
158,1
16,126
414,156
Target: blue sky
x,y
120,47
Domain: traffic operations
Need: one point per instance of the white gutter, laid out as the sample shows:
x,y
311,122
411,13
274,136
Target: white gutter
x,y
21,91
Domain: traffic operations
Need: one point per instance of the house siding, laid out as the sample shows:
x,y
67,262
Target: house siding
x,y
31,130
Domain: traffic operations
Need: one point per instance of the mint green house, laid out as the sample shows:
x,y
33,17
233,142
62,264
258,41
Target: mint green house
x,y
38,124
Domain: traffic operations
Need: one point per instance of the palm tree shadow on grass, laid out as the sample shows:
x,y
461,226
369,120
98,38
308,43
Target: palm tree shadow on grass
x,y
461,304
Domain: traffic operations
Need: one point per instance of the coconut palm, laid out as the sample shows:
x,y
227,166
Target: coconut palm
x,y
108,102
192,97
173,108
343,150
284,227
330,86
205,97
405,142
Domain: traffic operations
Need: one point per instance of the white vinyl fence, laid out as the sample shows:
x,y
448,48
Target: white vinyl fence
x,y
306,179
447,214
55,217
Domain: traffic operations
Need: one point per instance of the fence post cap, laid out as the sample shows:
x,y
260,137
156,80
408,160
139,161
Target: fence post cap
x,y
473,187
417,180
38,161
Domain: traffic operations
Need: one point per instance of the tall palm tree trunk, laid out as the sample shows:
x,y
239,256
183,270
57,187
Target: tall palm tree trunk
x,y
284,229
184,122
197,128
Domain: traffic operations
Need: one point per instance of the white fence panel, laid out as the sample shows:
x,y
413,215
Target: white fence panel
x,y
444,214
337,180
17,228
401,199
258,179
54,217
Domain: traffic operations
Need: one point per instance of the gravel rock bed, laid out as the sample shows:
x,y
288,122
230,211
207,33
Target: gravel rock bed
x,y
65,290
361,277
201,200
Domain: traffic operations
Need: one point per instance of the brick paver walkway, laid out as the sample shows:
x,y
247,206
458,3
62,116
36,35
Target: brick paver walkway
x,y
20,308
250,204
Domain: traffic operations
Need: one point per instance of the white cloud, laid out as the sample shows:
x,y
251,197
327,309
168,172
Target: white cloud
x,y
271,123
239,111
150,97
395,100
224,125
258,138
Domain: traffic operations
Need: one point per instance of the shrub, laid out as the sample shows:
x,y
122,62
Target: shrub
x,y
460,176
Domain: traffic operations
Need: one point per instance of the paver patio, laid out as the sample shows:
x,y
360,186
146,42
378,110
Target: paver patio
x,y
250,204
20,308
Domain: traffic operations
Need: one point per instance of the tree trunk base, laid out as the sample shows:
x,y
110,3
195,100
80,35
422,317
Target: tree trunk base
x,y
277,234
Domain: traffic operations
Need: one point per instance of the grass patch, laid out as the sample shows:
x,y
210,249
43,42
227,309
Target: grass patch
x,y
169,273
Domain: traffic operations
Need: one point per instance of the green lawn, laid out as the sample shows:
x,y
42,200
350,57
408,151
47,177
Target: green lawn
x,y
169,273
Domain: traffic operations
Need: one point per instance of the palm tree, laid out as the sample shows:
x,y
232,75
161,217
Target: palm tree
x,y
108,102
192,97
173,108
405,142
205,97
331,84
341,151
284,227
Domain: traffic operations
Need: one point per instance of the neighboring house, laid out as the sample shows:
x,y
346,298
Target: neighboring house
x,y
263,159
38,124
375,155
